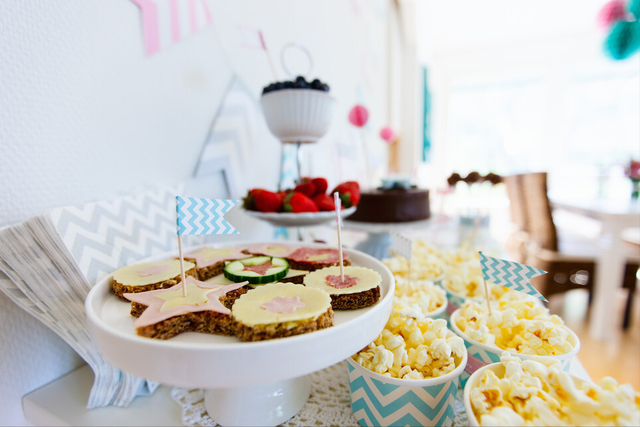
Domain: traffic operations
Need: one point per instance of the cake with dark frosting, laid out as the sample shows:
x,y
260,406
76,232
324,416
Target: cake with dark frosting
x,y
395,204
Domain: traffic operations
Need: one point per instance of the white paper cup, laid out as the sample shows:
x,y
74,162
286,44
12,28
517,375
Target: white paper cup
x,y
377,400
298,115
474,380
439,281
439,312
482,354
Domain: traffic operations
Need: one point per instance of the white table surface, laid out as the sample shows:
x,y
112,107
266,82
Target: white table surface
x,y
615,216
62,403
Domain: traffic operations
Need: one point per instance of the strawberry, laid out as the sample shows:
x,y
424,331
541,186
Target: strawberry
x,y
248,202
324,202
307,188
283,193
349,193
321,185
262,200
298,202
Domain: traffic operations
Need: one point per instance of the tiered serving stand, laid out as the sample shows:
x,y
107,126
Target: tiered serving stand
x,y
248,383
300,117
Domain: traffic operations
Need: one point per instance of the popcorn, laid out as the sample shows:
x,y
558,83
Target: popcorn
x,y
426,263
412,347
419,295
538,392
517,326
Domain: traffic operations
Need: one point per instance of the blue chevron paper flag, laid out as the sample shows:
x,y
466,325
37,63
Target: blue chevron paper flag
x,y
203,216
511,275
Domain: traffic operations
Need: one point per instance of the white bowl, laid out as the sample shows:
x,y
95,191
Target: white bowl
x,y
498,369
298,115
483,354
377,400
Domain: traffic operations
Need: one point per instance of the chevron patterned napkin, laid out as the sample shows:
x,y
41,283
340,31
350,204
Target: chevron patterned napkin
x,y
52,261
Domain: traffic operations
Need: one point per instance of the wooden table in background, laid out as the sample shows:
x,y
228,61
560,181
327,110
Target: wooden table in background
x,y
615,215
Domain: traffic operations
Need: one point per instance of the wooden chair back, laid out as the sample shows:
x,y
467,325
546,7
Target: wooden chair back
x,y
540,225
517,208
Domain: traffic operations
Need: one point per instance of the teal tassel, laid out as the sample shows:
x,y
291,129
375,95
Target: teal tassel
x,y
634,7
623,40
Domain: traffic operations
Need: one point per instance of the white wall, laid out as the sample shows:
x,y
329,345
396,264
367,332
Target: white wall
x,y
499,40
85,115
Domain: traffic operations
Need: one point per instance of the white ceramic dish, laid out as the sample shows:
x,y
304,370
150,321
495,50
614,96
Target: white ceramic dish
x,y
288,219
298,115
498,369
211,361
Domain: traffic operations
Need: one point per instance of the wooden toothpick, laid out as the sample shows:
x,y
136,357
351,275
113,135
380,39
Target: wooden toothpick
x,y
184,285
338,206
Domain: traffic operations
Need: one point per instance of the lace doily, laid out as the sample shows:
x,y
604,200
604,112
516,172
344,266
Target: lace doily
x,y
328,404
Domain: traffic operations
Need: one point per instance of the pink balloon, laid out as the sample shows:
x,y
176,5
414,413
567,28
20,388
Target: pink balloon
x,y
388,134
611,13
358,116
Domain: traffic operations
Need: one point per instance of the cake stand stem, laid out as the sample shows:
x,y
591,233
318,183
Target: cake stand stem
x,y
280,177
299,160
376,245
268,404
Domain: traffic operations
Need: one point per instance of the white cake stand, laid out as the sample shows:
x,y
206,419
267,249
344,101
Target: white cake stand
x,y
379,234
260,383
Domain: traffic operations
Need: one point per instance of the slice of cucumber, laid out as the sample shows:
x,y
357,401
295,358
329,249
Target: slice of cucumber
x,y
245,270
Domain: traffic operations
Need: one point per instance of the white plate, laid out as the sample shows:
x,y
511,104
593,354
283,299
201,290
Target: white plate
x,y
211,361
288,219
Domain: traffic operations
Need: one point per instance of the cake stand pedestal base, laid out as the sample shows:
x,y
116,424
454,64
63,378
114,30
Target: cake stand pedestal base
x,y
268,404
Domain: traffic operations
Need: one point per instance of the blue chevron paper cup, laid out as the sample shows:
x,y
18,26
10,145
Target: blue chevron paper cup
x,y
482,354
377,400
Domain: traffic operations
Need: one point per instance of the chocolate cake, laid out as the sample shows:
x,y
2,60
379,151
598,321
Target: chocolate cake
x,y
392,205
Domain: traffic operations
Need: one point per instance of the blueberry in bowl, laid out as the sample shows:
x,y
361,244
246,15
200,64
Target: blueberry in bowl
x,y
299,83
